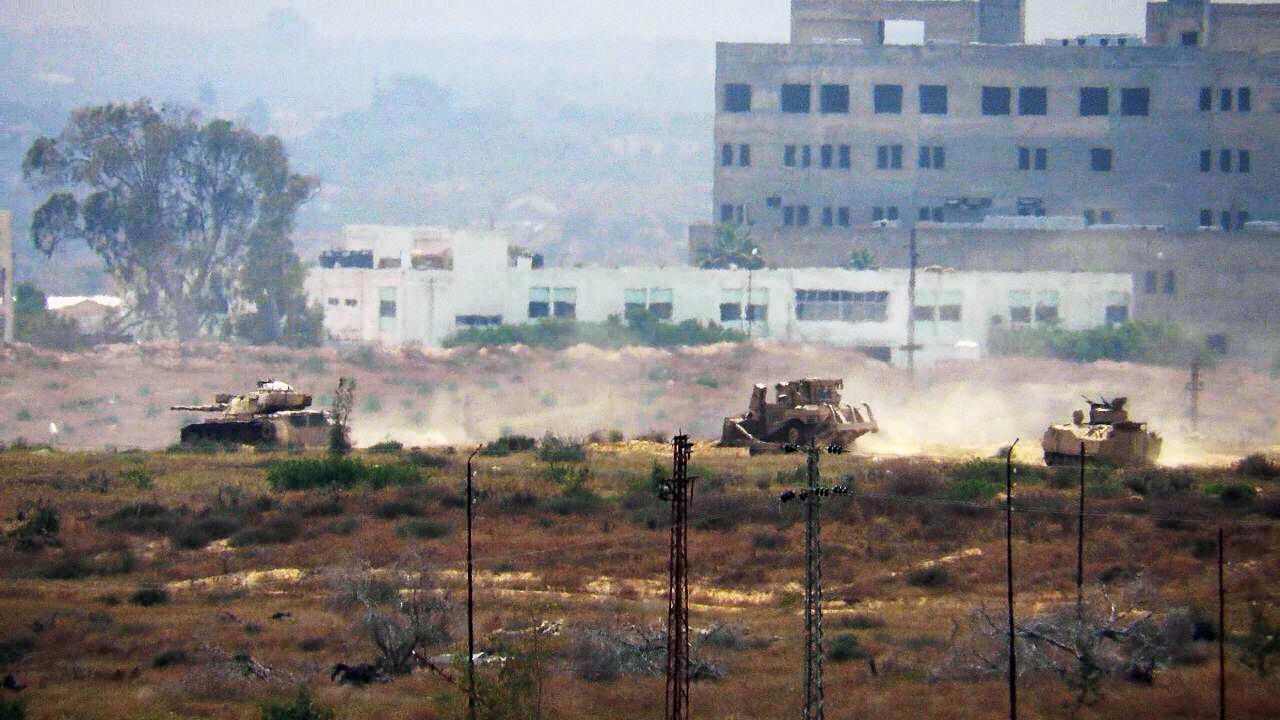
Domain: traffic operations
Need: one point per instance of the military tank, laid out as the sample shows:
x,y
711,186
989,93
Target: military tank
x,y
804,412
272,415
1108,435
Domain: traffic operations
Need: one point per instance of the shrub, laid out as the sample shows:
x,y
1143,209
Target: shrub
x,y
1234,495
641,329
518,501
575,500
16,710
423,529
14,648
393,509
140,478
767,541
1158,482
387,446
508,444
555,449
149,595
932,576
1258,465
145,518
275,531
301,707
858,621
345,526
312,644
337,471
65,567
1145,342
175,656
845,647
1271,506
422,459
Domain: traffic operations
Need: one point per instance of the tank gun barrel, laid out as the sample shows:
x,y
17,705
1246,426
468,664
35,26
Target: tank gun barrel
x,y
219,407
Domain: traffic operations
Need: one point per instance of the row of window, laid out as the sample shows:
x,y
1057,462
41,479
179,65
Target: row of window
x,y
349,302
995,100
1241,100
934,157
1151,282
1243,164
1226,220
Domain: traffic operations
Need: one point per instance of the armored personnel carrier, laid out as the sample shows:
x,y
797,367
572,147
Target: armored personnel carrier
x,y
272,415
1108,435
804,412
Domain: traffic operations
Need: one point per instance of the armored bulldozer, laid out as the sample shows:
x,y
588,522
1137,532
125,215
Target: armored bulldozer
x,y
1108,435
272,415
804,412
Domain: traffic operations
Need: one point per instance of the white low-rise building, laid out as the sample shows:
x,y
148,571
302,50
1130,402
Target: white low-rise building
x,y
396,286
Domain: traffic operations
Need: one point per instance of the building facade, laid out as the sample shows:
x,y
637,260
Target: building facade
x,y
1251,27
483,285
836,132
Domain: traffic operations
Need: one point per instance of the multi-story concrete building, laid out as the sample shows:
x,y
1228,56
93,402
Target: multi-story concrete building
x,y
840,132
1104,154
6,277
393,286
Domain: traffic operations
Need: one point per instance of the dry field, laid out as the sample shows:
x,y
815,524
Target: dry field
x,y
179,585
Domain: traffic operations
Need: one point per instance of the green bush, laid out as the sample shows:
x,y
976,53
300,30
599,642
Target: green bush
x,y
336,471
1145,342
845,647
175,656
1235,494
16,710
301,707
149,595
1258,465
195,535
423,529
640,329
394,509
140,478
555,449
933,576
508,444
387,447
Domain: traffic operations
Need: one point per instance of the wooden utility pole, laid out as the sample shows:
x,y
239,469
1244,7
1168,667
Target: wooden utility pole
x,y
471,606
1080,542
1008,545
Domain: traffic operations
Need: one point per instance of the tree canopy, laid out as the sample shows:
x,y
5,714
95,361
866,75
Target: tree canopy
x,y
731,247
192,219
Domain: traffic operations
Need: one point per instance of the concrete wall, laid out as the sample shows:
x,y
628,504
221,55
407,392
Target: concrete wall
x,y
947,21
1155,178
6,276
428,304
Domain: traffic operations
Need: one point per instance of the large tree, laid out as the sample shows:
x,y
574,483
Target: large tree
x,y
191,218
732,246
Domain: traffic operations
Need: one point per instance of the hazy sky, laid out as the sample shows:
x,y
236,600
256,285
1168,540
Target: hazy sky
x,y
733,20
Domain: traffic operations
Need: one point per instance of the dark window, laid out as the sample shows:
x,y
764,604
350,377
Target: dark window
x,y
1170,283
1046,313
877,214
925,156
1151,282
350,302
726,155
1242,217
789,156
895,157
1206,160
842,306
1190,39
1224,100
1206,98
828,217
726,213
795,98
802,215
939,158
949,313
1106,217
842,217
1117,313
1225,219
773,201
1100,159
828,154
924,213
387,308
891,212
1042,159
933,99
789,215
1094,101
730,312
565,310
834,98
1217,343
922,313
938,215
1135,101
737,98
1033,101
1206,218
806,156
846,157
996,100
1244,97
539,309
1245,163
882,157
744,155
1090,216
1224,161
1020,313
888,99
332,301
1024,158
